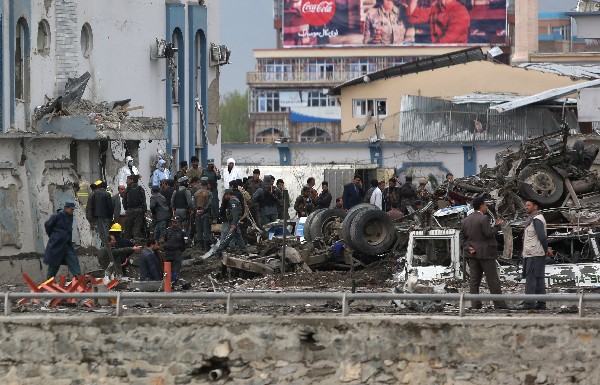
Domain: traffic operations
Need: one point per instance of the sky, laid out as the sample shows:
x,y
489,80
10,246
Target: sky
x,y
248,24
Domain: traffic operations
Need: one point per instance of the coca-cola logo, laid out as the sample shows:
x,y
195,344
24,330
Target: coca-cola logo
x,y
318,12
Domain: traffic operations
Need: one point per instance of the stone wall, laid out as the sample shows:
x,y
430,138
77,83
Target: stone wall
x,y
183,349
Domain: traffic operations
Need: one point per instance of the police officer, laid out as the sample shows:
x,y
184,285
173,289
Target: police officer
x,y
202,206
304,204
232,213
175,243
267,197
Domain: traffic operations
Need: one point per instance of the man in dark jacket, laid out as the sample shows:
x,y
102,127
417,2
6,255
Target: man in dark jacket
x,y
353,193
102,210
267,198
135,207
167,190
120,254
391,195
202,203
160,212
175,243
478,242
59,250
324,198
233,213
408,193
283,205
150,262
304,204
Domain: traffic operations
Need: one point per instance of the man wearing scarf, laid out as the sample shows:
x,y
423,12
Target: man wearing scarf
x,y
535,250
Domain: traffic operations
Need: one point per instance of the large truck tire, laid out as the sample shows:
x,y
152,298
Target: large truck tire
x,y
349,218
308,224
541,183
320,224
372,232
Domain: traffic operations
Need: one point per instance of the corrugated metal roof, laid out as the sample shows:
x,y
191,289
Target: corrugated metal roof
x,y
545,95
496,98
576,71
427,64
435,120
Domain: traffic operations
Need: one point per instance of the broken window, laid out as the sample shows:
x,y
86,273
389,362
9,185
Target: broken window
x,y
373,107
269,135
43,38
21,38
86,40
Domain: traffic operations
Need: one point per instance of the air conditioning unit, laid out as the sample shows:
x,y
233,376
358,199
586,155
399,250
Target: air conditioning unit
x,y
162,50
219,54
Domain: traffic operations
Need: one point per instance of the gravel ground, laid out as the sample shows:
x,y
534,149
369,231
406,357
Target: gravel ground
x,y
377,277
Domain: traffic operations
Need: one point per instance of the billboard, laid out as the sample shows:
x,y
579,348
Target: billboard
x,y
317,23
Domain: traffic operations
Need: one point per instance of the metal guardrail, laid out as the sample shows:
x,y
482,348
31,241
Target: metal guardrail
x,y
344,297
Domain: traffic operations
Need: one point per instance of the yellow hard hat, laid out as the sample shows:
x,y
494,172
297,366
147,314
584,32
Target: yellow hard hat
x,y
97,182
116,227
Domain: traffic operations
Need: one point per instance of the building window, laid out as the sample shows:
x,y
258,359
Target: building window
x,y
278,71
320,70
360,68
87,40
268,102
269,135
319,99
315,134
43,38
373,107
21,37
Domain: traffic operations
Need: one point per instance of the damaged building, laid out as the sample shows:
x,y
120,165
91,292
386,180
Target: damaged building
x,y
84,85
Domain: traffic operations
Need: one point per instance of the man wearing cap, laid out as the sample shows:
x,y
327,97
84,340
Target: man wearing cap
x,y
232,172
202,206
118,208
160,173
117,232
59,250
181,201
267,198
304,204
213,175
135,206
175,243
196,170
120,254
480,248
233,213
160,212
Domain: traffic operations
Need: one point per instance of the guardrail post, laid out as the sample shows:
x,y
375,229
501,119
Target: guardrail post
x,y
119,306
229,304
461,305
581,308
7,305
345,306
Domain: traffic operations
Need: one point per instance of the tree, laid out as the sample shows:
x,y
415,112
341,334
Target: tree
x,y
233,113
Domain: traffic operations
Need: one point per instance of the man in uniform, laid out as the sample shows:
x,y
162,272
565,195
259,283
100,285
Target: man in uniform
x,y
175,243
196,170
181,201
251,186
202,203
391,195
408,193
213,175
102,210
233,212
135,208
283,205
160,212
422,193
304,204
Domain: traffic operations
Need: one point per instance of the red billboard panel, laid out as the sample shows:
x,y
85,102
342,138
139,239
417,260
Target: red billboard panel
x,y
315,23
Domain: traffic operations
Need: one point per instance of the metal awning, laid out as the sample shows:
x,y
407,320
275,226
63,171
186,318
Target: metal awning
x,y
543,96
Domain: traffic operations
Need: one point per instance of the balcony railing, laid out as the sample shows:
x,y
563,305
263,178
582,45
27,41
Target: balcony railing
x,y
333,77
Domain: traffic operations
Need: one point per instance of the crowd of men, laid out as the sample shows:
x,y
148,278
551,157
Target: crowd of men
x,y
189,203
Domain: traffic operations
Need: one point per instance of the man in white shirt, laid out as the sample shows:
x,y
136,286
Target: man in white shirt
x,y
232,172
377,196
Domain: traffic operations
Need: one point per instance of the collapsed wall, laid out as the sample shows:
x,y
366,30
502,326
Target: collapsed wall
x,y
181,349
